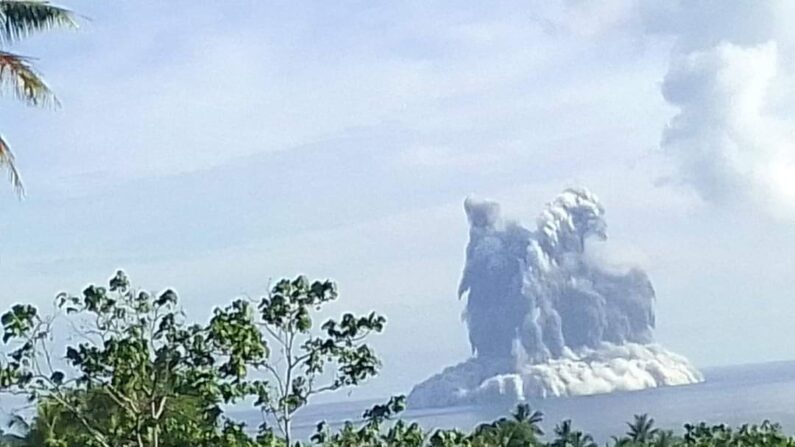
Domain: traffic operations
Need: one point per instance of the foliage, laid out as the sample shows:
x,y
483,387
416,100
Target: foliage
x,y
523,430
642,429
304,358
54,423
766,434
18,19
153,376
141,376
373,432
566,436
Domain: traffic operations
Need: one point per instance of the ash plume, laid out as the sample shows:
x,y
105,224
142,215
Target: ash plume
x,y
545,319
538,288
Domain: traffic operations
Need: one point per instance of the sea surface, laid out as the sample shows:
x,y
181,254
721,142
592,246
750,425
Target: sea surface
x,y
734,395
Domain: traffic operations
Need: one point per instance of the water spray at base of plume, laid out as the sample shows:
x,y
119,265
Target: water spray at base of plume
x,y
545,319
608,369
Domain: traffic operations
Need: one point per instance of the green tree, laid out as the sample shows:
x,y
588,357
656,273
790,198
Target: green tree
x,y
526,416
136,360
56,425
642,429
665,438
18,19
450,438
301,360
521,430
141,376
373,432
566,436
765,434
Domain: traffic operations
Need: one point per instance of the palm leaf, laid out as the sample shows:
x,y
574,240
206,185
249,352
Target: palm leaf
x,y
18,75
7,162
20,18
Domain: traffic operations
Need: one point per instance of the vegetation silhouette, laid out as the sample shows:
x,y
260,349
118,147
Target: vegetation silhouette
x,y
136,373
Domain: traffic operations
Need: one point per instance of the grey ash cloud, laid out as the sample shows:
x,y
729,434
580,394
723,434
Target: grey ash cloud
x,y
538,287
545,318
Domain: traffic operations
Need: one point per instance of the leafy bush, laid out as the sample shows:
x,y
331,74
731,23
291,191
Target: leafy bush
x,y
141,376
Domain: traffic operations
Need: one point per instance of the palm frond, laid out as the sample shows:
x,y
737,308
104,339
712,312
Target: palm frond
x,y
7,162
18,75
20,18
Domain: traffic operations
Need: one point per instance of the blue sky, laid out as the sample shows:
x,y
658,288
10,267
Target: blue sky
x,y
213,146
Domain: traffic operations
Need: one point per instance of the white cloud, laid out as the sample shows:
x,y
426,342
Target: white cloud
x,y
722,141
725,141
731,81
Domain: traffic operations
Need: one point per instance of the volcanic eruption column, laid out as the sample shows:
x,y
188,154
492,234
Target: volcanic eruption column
x,y
545,319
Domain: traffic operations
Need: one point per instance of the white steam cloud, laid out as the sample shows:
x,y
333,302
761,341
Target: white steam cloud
x,y
724,143
729,77
729,68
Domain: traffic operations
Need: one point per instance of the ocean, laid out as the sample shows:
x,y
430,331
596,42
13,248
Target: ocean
x,y
733,395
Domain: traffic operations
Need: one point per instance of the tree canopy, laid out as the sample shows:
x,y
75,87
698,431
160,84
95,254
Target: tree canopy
x,y
136,373
160,381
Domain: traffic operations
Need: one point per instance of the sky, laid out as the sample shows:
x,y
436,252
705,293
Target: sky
x,y
213,147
